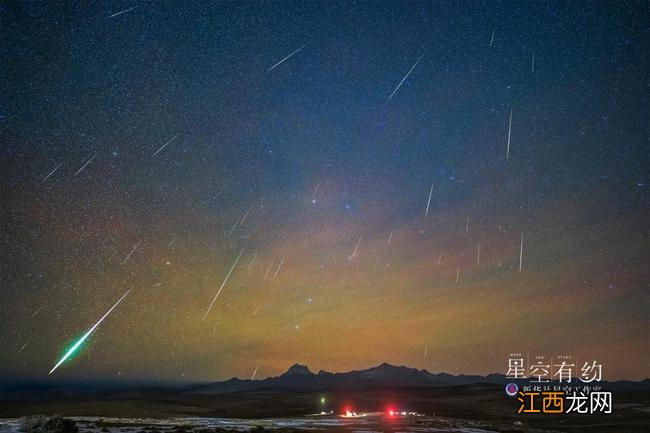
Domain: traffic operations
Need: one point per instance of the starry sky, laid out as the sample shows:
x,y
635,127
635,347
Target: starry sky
x,y
369,228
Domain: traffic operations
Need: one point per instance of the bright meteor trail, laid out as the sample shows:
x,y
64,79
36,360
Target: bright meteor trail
x,y
122,12
426,212
223,284
82,339
165,145
281,61
405,77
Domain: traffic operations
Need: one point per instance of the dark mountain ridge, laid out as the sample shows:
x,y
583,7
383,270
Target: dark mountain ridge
x,y
300,377
297,378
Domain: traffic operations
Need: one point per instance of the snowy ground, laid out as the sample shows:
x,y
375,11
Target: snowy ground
x,y
369,424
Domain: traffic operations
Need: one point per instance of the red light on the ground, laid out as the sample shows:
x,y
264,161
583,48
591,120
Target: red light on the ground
x,y
348,413
391,412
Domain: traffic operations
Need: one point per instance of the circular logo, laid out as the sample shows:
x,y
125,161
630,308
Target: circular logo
x,y
511,389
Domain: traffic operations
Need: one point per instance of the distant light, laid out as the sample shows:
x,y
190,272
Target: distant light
x,y
322,400
393,413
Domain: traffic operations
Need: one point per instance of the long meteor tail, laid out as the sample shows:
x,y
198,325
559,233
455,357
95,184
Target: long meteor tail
x,y
85,336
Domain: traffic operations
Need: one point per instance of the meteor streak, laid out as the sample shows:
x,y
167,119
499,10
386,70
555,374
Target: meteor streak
x,y
232,229
521,253
279,266
426,212
126,259
52,172
22,348
250,266
223,284
356,248
509,131
39,309
244,218
86,335
220,191
84,166
266,274
122,12
532,63
254,372
281,61
316,190
405,77
163,146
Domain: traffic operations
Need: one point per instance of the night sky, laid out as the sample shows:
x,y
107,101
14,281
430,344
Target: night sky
x,y
322,178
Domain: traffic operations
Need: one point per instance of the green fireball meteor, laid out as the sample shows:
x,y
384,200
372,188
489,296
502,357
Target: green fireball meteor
x,y
76,346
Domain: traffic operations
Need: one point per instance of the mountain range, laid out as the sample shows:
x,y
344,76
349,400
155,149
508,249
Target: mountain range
x,y
297,378
300,377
